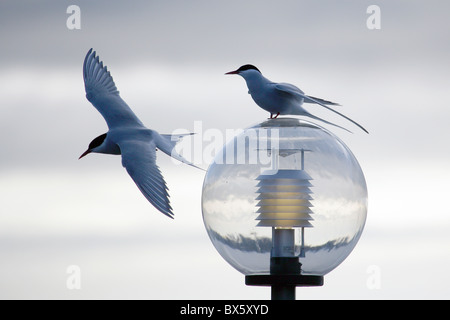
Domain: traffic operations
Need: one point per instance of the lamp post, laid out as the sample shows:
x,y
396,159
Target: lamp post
x,y
284,203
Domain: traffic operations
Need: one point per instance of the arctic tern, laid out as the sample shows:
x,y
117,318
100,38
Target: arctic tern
x,y
128,136
281,98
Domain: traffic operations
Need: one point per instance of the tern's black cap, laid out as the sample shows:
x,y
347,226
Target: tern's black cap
x,y
244,68
97,141
248,67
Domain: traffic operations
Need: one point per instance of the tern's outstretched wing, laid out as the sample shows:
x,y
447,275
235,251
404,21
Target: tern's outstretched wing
x,y
296,92
139,158
103,94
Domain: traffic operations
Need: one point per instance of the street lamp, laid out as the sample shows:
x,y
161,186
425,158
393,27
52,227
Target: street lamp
x,y
284,203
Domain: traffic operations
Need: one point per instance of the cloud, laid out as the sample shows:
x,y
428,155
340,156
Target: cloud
x,y
205,32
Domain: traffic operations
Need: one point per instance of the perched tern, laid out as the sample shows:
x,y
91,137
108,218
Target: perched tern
x,y
128,136
281,98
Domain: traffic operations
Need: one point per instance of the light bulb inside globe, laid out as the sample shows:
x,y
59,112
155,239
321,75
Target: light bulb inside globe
x,y
284,203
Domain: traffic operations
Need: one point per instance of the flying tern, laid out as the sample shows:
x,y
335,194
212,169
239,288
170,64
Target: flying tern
x,y
128,136
281,98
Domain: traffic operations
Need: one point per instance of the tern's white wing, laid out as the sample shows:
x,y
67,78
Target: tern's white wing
x,y
139,158
103,94
296,92
289,89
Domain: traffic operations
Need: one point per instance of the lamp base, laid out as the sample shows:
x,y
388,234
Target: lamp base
x,y
295,280
283,285
285,275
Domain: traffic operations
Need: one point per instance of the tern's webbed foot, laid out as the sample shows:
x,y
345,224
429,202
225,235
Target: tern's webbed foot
x,y
272,117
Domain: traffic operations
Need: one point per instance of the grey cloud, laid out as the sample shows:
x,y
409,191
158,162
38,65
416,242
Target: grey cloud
x,y
206,32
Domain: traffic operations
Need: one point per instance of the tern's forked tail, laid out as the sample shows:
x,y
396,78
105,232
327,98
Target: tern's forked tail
x,y
167,145
307,114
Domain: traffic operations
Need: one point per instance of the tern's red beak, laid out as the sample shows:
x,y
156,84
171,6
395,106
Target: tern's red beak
x,y
85,153
232,72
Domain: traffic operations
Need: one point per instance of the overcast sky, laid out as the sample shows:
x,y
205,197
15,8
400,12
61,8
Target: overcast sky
x,y
168,60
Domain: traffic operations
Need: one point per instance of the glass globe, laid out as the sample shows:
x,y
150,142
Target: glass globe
x,y
319,209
